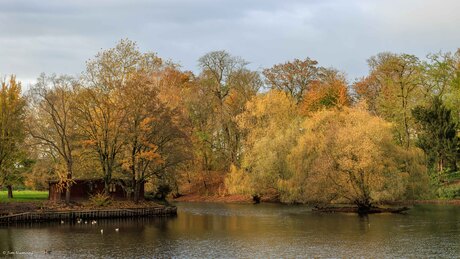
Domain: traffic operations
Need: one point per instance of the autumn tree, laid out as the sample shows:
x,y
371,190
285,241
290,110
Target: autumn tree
x,y
271,126
392,89
52,122
100,109
219,67
154,142
174,89
226,85
12,123
327,92
293,77
348,155
228,81
203,118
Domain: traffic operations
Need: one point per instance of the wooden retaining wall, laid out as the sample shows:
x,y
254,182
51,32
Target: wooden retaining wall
x,y
87,215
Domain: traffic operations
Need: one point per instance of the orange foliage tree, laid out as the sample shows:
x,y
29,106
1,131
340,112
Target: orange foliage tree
x,y
330,91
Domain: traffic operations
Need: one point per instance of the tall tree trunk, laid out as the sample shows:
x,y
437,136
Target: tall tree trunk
x,y
133,169
405,119
67,194
68,185
10,191
134,186
107,180
106,185
136,192
205,169
364,205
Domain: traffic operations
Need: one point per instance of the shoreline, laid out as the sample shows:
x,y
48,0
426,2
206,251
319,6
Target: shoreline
x,y
16,207
432,201
213,198
83,216
246,199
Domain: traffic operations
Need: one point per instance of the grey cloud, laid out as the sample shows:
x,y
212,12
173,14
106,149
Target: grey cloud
x,y
59,36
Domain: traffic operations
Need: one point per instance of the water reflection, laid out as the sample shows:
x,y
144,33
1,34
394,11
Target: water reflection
x,y
243,230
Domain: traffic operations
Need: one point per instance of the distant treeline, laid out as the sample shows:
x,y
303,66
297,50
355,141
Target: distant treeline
x,y
296,131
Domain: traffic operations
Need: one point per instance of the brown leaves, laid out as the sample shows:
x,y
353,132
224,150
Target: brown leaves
x,y
325,94
293,77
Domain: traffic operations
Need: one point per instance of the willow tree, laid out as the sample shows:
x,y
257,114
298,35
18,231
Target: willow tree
x,y
270,125
348,155
12,121
52,122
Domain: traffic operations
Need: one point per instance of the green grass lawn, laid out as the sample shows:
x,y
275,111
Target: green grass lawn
x,y
26,196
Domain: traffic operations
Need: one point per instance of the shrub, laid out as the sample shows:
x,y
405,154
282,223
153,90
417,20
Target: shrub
x,y
100,200
162,191
238,181
449,192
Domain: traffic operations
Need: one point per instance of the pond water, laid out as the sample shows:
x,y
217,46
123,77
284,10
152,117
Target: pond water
x,y
248,231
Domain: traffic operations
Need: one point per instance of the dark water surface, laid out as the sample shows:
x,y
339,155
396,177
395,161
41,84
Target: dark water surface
x,y
247,231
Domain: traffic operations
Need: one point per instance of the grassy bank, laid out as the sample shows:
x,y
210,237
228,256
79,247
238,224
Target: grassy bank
x,y
24,196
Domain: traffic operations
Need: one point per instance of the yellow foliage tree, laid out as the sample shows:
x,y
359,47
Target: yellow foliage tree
x,y
101,108
271,126
12,119
348,155
53,128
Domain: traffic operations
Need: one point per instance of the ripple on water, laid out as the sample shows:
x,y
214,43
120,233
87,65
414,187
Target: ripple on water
x,y
248,231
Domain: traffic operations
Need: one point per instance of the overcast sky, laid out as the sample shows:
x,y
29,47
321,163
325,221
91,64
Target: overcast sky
x,y
57,36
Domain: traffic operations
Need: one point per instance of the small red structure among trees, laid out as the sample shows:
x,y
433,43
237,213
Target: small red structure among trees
x,y
83,189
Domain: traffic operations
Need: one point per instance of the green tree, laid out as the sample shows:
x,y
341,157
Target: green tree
x,y
12,120
443,79
392,89
438,136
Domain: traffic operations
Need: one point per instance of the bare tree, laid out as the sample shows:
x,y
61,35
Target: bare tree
x,y
53,126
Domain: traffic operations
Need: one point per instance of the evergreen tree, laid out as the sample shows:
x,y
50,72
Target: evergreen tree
x,y
438,136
